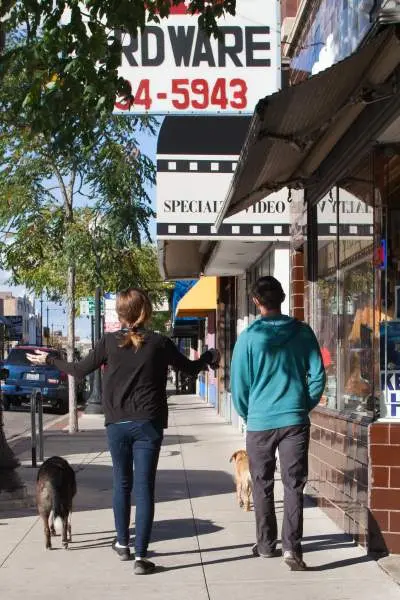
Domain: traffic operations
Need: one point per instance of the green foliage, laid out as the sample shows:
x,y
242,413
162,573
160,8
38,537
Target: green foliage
x,y
43,189
161,322
69,55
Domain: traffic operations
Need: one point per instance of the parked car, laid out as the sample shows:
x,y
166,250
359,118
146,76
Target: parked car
x,y
23,377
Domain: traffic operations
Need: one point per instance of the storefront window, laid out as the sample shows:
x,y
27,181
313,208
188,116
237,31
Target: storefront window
x,y
340,296
389,291
326,308
358,323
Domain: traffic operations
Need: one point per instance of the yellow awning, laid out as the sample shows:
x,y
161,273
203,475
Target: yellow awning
x,y
199,300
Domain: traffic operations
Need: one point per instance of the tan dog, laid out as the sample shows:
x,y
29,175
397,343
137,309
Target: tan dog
x,y
242,477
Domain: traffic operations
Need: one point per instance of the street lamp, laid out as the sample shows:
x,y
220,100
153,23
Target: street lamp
x,y
94,401
94,406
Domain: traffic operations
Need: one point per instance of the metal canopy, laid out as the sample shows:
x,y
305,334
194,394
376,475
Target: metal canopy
x,y
294,130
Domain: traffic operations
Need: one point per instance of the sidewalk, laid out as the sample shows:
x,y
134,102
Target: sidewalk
x,y
201,539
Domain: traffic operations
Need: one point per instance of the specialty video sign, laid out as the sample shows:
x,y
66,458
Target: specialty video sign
x,y
174,68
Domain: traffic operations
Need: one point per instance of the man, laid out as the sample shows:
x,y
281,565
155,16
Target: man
x,y
277,378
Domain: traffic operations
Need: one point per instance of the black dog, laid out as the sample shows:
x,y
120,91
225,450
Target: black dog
x,y
55,489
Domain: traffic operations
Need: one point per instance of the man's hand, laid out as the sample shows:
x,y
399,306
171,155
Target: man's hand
x,y
39,358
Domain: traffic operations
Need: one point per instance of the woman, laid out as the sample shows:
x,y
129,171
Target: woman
x,y
135,409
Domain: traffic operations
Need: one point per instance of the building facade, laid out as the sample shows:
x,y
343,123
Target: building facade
x,y
325,150
24,324
332,137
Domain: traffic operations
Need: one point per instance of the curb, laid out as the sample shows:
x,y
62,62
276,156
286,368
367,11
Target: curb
x,y
21,443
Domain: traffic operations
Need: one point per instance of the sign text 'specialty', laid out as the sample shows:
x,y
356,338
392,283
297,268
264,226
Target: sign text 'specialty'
x,y
213,206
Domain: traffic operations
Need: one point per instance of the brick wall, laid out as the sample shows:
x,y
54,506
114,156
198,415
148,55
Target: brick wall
x,y
384,488
297,285
338,470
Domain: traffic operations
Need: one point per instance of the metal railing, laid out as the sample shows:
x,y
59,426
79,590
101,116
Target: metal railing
x,y
36,427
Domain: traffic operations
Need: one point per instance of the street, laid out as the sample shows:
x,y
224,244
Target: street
x,y
18,422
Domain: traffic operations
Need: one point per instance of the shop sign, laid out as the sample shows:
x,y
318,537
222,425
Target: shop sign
x,y
15,327
111,322
200,205
352,210
174,68
390,385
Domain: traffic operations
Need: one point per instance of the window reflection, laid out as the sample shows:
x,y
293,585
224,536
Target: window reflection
x,y
344,321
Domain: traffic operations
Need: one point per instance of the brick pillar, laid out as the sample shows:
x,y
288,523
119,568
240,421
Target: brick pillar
x,y
384,488
297,285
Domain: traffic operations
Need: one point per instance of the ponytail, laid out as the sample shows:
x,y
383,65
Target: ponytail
x,y
134,310
132,338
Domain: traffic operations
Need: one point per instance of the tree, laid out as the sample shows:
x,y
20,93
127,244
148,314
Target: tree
x,y
40,183
70,52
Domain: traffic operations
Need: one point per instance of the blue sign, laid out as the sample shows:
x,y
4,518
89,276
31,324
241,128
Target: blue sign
x,y
390,382
15,328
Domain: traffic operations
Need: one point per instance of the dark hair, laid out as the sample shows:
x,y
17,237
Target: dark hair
x,y
268,291
133,308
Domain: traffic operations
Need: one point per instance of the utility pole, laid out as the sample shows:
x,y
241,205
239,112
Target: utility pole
x,y
92,330
41,319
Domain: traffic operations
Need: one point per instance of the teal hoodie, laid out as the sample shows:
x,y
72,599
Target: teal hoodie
x,y
277,373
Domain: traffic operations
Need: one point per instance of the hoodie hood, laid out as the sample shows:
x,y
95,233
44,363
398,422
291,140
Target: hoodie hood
x,y
278,329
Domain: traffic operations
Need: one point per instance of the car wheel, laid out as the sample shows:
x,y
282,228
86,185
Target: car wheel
x,y
62,407
6,403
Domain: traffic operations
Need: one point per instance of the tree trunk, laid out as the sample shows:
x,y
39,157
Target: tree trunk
x,y
73,408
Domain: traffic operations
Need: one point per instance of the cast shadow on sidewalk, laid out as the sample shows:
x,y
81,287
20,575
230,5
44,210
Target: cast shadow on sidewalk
x,y
318,543
94,482
171,529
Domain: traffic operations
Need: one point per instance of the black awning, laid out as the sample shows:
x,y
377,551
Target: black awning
x,y
294,130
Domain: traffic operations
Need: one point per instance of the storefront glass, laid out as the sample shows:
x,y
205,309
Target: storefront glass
x,y
357,330
340,301
388,179
326,312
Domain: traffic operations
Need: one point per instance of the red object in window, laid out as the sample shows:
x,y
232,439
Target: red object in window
x,y
326,357
180,9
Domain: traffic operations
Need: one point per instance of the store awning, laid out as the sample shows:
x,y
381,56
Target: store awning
x,y
199,300
294,130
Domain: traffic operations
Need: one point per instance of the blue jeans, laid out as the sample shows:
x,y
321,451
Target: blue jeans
x,y
134,443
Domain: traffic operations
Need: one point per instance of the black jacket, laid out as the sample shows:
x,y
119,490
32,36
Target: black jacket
x,y
134,381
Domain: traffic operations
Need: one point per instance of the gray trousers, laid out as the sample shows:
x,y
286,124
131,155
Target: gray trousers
x,y
292,444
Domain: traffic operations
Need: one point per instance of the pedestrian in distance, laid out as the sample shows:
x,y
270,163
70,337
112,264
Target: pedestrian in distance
x,y
277,378
136,411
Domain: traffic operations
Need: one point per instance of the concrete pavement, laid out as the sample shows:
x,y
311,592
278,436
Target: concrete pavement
x,y
17,423
201,539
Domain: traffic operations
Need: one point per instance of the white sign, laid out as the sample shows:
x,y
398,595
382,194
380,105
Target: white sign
x,y
198,198
111,322
351,209
390,404
174,68
84,308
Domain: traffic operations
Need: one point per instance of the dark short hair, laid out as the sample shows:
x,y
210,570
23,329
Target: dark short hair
x,y
269,292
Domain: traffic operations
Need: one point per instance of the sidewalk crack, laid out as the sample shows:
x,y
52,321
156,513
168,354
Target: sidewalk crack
x,y
191,508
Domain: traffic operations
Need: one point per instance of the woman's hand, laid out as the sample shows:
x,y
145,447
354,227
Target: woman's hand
x,y
212,357
39,358
215,358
